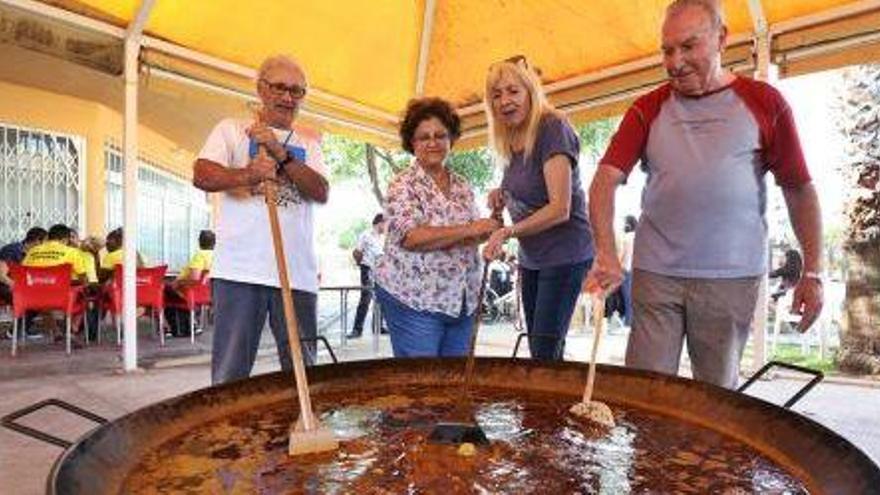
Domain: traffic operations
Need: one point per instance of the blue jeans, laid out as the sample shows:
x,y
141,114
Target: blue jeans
x,y
240,311
549,296
424,333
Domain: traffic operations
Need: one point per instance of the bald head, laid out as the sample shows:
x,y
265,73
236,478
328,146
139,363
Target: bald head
x,y
282,62
693,39
710,8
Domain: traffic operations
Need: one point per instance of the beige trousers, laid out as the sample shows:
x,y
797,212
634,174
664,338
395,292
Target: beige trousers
x,y
713,315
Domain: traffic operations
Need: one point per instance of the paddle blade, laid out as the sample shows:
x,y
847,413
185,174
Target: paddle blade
x,y
458,433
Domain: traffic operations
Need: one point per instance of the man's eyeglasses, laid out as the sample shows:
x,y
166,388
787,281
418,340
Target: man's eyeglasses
x,y
278,89
426,138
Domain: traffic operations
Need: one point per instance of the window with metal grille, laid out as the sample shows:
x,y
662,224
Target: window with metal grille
x,y
170,211
41,180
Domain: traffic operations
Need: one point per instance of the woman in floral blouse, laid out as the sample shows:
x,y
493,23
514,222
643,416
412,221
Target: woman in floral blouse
x,y
427,283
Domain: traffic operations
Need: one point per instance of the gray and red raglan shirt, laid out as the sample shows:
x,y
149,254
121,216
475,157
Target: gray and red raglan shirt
x,y
704,201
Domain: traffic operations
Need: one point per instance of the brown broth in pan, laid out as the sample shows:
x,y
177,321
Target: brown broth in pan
x,y
536,447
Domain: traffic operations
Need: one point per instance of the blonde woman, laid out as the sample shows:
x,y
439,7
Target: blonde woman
x,y
541,190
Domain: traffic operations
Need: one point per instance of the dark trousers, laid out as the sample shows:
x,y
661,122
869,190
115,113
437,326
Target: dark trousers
x,y
549,296
240,312
364,302
626,291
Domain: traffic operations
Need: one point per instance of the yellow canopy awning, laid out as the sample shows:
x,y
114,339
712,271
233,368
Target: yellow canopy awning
x,y
365,59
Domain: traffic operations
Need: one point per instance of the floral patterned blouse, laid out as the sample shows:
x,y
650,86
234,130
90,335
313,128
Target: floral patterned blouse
x,y
438,280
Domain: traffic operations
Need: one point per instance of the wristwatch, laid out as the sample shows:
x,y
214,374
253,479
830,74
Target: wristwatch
x,y
813,275
282,163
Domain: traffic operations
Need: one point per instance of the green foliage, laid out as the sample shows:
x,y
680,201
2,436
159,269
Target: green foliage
x,y
344,157
595,136
349,236
475,166
791,354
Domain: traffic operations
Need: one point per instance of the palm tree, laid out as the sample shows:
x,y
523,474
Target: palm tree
x,y
860,124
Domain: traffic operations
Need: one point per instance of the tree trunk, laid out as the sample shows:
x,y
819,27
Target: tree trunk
x,y
860,337
373,171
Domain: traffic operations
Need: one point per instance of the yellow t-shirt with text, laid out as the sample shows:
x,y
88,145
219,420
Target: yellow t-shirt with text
x,y
54,253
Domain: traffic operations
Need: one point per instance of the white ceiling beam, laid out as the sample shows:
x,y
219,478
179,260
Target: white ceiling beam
x,y
830,15
66,16
306,110
608,73
249,73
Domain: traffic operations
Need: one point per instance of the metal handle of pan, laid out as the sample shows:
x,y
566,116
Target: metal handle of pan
x,y
10,421
321,338
817,377
523,335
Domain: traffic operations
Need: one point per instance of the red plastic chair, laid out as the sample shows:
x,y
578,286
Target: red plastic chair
x,y
193,296
44,288
150,294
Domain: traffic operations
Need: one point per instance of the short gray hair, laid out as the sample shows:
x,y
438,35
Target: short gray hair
x,y
711,7
278,61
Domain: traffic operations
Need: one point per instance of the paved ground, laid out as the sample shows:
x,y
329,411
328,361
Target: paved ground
x,y
90,378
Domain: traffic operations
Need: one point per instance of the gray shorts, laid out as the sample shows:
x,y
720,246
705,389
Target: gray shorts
x,y
714,314
240,312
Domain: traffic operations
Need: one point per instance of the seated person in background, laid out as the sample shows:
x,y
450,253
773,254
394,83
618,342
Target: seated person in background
x,y
14,253
88,259
92,247
200,262
88,250
58,251
114,255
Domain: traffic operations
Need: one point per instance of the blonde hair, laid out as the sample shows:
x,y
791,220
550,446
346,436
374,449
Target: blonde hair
x,y
500,136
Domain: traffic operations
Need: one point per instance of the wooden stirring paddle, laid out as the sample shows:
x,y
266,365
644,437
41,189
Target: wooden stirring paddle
x,y
591,410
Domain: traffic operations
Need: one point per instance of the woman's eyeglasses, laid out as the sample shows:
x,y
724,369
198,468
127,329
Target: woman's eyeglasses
x,y
426,138
279,89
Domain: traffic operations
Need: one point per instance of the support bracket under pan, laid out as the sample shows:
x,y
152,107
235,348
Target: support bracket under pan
x,y
817,377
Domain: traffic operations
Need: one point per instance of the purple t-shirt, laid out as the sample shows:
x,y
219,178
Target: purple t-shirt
x,y
526,192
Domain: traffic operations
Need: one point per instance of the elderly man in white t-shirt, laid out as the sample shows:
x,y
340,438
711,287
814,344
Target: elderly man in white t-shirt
x,y
245,275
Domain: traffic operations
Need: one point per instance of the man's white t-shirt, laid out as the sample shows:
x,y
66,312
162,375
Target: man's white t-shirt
x,y
372,246
244,251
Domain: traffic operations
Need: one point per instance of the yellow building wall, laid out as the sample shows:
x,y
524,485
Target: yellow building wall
x,y
98,125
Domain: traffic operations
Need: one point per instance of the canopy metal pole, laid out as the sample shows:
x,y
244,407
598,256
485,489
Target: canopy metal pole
x,y
129,185
763,70
425,46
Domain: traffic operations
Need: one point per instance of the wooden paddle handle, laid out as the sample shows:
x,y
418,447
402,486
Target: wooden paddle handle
x,y
598,327
469,367
299,370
